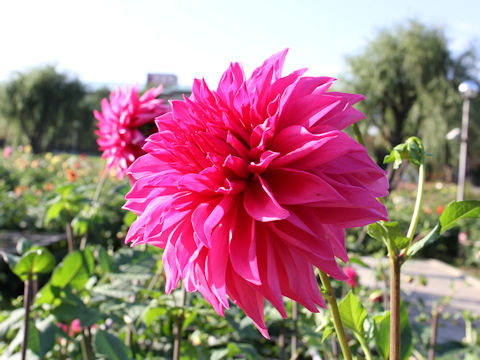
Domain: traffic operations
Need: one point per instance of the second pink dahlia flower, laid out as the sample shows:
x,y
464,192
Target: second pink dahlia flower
x,y
250,187
119,136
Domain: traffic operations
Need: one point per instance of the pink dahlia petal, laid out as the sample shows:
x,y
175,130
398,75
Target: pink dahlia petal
x,y
118,135
261,204
250,187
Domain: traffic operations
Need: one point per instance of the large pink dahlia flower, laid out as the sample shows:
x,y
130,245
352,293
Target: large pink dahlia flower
x,y
251,186
118,131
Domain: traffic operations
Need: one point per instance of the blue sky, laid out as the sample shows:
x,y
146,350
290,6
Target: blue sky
x,y
107,41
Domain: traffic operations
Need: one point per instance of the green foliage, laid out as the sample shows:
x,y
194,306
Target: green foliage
x,y
43,102
410,78
390,234
411,150
454,212
382,333
51,109
36,260
111,347
353,314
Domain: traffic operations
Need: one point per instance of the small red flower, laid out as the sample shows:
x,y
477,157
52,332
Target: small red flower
x,y
440,209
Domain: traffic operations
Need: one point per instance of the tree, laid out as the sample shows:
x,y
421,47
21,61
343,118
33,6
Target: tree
x,y
44,103
410,78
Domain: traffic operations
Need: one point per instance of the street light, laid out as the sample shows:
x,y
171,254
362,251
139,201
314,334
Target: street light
x,y
468,89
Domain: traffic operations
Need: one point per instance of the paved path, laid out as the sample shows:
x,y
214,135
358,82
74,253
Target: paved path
x,y
441,280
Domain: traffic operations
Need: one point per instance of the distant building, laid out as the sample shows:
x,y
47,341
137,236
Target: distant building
x,y
171,90
167,80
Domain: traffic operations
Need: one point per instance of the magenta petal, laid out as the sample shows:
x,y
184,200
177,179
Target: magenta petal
x,y
299,187
260,203
243,251
217,263
244,295
270,284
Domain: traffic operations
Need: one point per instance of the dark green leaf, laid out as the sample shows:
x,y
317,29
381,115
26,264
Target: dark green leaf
x,y
46,331
327,331
80,225
188,319
153,313
358,261
219,354
89,260
405,334
34,339
433,235
104,259
382,334
129,218
65,190
47,294
246,349
110,346
72,271
458,210
352,313
37,260
54,211
389,233
67,311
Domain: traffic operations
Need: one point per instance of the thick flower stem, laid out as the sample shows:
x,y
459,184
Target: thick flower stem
x,y
394,307
26,304
337,322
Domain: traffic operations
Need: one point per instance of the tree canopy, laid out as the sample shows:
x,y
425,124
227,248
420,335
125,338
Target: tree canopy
x,y
410,79
51,109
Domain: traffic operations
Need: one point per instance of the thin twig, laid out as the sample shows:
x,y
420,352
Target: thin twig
x,y
178,327
294,339
70,241
433,339
26,306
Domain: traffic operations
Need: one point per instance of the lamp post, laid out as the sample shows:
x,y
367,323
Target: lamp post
x,y
468,89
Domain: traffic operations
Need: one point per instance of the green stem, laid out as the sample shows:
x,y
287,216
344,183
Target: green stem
x,y
337,322
418,202
365,348
358,134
